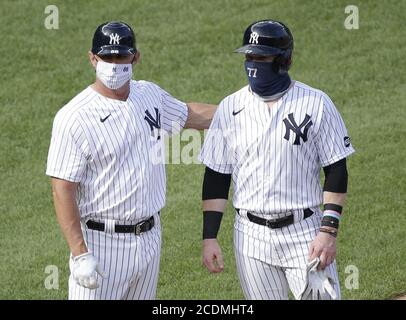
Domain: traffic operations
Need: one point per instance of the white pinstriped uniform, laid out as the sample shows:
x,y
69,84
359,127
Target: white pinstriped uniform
x,y
108,146
275,155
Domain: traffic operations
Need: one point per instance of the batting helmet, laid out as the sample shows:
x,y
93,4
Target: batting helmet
x,y
114,38
269,38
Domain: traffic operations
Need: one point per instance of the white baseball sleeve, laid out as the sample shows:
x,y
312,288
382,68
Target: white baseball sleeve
x,y
174,113
66,159
216,153
332,140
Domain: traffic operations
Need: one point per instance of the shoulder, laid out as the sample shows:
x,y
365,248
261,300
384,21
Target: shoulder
x,y
145,87
67,116
302,90
233,101
148,90
141,84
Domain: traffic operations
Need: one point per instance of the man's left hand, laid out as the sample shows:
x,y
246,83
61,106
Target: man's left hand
x,y
324,247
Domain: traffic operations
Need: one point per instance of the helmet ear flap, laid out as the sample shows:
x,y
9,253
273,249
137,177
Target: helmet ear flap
x,y
283,61
276,64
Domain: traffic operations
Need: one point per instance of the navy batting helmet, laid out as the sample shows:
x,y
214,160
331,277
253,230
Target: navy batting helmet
x,y
114,38
269,38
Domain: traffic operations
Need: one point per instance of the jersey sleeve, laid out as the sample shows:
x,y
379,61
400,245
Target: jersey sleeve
x,y
174,113
332,140
66,159
216,153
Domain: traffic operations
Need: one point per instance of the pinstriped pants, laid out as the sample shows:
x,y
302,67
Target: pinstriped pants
x,y
272,261
131,262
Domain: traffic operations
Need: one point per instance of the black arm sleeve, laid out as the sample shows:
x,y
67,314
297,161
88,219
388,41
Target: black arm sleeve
x,y
211,224
336,177
215,185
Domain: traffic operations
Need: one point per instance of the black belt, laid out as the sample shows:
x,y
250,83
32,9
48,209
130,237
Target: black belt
x,y
137,229
277,223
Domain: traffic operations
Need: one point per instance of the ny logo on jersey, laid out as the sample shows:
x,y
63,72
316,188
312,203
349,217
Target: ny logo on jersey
x,y
154,123
291,124
114,38
254,38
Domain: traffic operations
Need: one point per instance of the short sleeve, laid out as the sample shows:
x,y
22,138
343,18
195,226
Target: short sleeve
x,y
215,152
332,139
66,159
174,113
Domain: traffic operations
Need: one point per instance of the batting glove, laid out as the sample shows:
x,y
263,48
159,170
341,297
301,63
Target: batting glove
x,y
319,285
84,270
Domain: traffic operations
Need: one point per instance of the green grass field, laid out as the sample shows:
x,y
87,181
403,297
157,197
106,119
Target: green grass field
x,y
187,49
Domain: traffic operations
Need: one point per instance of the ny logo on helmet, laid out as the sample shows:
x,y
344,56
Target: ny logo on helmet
x,y
254,38
114,38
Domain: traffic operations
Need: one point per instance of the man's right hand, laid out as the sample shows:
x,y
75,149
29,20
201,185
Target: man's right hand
x,y
212,256
84,268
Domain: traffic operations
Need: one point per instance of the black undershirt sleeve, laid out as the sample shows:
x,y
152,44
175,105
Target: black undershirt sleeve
x,y
215,185
336,177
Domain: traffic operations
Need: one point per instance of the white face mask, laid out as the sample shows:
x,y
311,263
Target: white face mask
x,y
113,75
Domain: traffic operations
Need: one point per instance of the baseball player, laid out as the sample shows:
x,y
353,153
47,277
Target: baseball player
x,y
108,189
272,137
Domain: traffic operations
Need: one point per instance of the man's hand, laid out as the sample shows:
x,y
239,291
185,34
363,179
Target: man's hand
x,y
323,247
84,268
212,256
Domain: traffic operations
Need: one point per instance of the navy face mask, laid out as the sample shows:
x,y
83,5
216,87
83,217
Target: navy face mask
x,y
264,81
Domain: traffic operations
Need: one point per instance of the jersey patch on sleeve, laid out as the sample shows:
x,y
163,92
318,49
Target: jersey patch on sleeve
x,y
347,141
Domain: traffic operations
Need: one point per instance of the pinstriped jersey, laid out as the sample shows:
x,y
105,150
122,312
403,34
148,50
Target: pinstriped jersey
x,y
107,146
275,154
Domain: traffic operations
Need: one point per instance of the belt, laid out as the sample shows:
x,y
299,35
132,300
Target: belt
x,y
277,223
137,229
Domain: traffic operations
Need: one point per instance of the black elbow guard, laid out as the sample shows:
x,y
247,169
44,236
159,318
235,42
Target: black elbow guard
x,y
336,177
215,185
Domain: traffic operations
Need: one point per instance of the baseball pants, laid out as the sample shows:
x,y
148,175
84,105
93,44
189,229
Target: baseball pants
x,y
131,262
272,261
